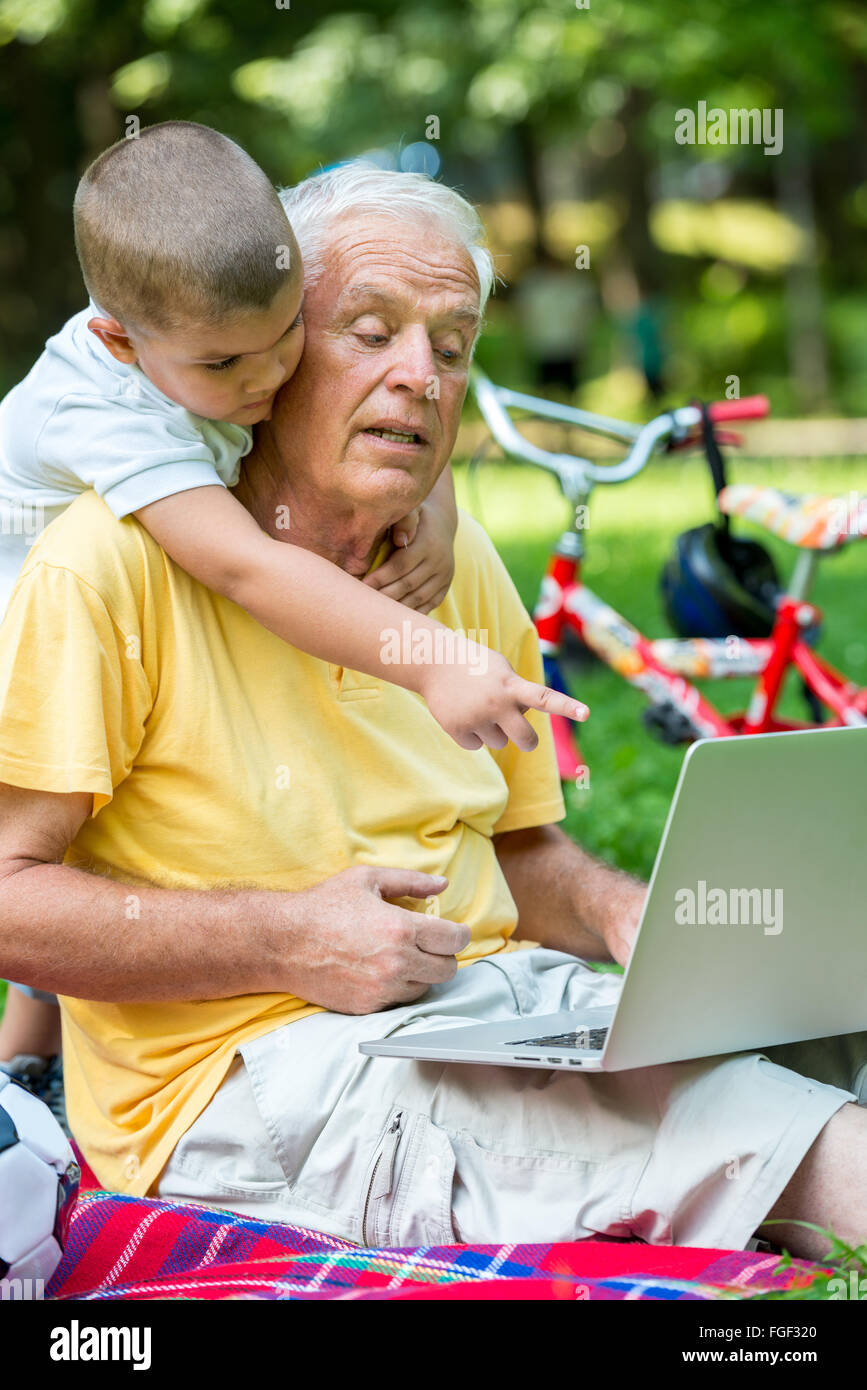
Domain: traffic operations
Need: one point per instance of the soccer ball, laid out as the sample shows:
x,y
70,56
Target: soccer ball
x,y
38,1185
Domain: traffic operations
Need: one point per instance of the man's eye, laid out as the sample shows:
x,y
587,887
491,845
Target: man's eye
x,y
222,366
373,338
450,354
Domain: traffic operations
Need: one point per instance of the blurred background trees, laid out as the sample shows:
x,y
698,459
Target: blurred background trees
x,y
634,268
701,262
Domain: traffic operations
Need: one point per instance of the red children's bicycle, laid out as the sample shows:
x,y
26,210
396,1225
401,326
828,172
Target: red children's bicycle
x,y
664,669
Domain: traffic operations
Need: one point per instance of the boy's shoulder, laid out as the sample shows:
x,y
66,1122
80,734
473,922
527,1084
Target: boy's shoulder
x,y
75,367
81,419
73,356
71,369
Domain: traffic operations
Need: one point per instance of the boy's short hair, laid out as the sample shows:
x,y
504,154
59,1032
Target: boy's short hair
x,y
178,225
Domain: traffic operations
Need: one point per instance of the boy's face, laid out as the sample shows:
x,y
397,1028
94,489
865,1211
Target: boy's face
x,y
231,372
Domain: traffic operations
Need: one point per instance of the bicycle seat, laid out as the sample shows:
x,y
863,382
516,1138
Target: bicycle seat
x,y
812,522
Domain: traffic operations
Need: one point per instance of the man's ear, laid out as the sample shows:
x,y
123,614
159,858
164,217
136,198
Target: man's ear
x,y
114,336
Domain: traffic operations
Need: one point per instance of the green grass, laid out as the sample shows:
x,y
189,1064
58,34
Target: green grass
x,y
631,529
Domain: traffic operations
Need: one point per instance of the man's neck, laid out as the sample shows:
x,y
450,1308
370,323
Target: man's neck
x,y
290,510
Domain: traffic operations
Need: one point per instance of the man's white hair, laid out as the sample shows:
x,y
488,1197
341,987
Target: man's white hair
x,y
322,199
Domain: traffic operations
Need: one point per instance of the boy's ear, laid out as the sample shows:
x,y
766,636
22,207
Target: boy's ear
x,y
114,336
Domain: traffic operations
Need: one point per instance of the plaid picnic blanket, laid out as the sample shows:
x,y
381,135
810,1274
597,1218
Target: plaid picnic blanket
x,y
135,1248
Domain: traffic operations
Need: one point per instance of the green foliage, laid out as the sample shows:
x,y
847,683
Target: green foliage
x,y
527,93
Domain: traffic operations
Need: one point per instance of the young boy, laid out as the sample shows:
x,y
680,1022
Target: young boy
x,y
149,396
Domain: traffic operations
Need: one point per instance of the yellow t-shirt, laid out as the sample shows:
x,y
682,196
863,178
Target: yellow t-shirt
x,y
219,756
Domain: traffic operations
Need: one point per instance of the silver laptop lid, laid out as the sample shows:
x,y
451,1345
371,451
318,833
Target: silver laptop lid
x,y
755,928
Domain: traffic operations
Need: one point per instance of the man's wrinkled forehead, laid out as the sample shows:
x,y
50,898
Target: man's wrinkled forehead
x,y
395,263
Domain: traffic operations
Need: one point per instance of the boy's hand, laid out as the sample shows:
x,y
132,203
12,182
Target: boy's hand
x,y
421,569
482,700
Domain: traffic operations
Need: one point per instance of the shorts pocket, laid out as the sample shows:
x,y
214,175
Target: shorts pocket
x,y
407,1194
227,1152
240,1189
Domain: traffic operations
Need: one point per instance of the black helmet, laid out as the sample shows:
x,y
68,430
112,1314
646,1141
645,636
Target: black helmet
x,y
717,586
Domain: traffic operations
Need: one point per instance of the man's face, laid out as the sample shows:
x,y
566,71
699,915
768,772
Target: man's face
x,y
372,413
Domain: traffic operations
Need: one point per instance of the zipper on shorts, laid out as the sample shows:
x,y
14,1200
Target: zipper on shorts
x,y
383,1170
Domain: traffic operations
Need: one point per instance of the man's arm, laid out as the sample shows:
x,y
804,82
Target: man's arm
x,y
566,899
338,944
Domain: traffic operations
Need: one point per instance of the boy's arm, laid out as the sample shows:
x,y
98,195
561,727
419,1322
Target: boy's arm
x,y
314,605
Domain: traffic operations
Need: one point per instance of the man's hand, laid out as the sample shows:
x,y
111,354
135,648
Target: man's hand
x,y
566,899
619,933
352,951
482,700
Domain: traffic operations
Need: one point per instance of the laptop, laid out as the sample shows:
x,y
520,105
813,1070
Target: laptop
x,y
754,929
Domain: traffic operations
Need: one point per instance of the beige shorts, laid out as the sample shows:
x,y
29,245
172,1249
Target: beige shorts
x,y
386,1151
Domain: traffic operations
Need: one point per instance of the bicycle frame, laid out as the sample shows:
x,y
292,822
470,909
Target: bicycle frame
x,y
660,669
566,602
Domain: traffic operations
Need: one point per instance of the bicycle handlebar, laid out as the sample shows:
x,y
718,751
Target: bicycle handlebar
x,y
573,471
750,408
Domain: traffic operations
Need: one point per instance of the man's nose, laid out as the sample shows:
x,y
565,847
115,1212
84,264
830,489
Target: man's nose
x,y
413,366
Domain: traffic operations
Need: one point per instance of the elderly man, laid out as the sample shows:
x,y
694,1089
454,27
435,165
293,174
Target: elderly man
x,y
234,862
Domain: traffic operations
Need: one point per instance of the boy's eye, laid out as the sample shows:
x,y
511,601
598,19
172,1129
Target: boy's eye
x,y
222,366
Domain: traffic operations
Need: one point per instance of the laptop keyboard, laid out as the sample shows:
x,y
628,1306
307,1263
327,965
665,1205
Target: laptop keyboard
x,y
583,1039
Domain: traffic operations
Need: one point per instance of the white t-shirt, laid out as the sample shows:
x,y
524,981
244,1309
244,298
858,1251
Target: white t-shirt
x,y
80,419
